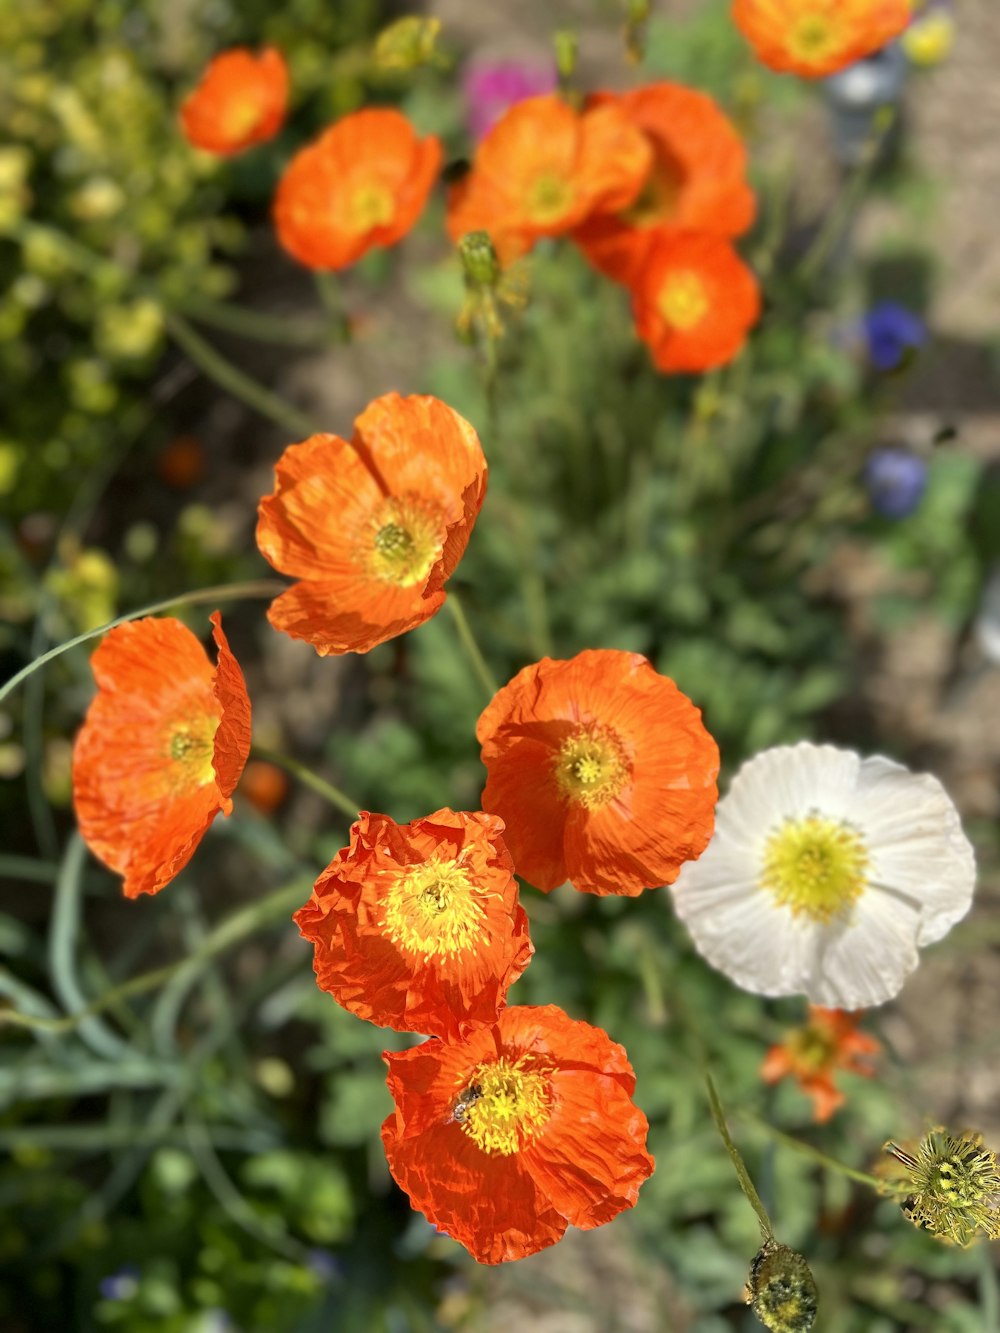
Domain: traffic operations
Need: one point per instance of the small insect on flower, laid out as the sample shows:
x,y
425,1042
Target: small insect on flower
x,y
949,1185
466,1100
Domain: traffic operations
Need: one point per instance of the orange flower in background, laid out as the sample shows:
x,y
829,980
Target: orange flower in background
x,y
694,301
264,785
814,38
812,1055
543,168
363,183
161,749
601,770
507,1138
697,180
373,527
417,926
241,100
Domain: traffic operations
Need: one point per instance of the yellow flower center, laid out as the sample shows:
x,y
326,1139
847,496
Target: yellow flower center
x,y
814,37
241,117
813,1048
591,767
815,866
370,205
405,541
549,198
511,1105
683,301
432,909
191,745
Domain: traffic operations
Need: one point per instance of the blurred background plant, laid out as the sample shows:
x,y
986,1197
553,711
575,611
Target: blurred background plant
x,y
781,536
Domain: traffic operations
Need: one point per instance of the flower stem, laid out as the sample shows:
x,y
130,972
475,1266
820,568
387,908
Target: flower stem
x,y
820,1158
743,1175
309,779
226,592
236,381
229,932
260,326
483,674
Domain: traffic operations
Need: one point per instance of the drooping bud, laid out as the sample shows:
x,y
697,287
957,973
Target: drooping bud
x,y
636,18
565,44
783,1291
407,44
480,264
950,1186
487,288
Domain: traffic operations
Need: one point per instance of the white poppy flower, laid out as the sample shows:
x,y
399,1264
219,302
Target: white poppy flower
x,y
825,875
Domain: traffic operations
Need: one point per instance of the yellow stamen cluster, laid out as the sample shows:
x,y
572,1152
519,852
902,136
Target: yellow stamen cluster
x,y
952,1185
370,205
433,909
512,1106
591,767
683,301
405,541
549,197
813,37
191,746
815,866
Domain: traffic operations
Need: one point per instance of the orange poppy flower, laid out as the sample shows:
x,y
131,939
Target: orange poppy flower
x,y
814,38
812,1055
241,100
417,926
543,168
373,527
694,301
363,183
505,1139
161,749
697,180
602,772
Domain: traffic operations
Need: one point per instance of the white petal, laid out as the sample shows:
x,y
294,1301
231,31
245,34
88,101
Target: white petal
x,y
788,782
865,960
918,850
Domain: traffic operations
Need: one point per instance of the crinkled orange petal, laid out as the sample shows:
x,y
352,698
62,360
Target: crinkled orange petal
x,y
232,740
582,1166
697,180
857,29
240,101
352,614
377,976
363,183
614,159
139,809
732,309
663,813
324,494
322,521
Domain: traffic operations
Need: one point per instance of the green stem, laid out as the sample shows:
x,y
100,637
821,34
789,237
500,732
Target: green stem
x,y
259,326
743,1175
839,217
229,932
814,1154
483,674
309,779
989,1291
226,592
236,381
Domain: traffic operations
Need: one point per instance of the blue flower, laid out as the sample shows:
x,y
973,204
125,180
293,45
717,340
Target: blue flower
x,y
892,331
120,1286
896,480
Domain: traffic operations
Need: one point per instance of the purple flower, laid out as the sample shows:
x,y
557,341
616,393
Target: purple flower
x,y
491,86
892,331
324,1264
896,480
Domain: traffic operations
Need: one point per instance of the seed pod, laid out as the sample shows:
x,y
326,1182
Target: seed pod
x,y
782,1290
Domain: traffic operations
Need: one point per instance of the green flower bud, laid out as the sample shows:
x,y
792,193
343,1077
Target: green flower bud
x,y
783,1292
